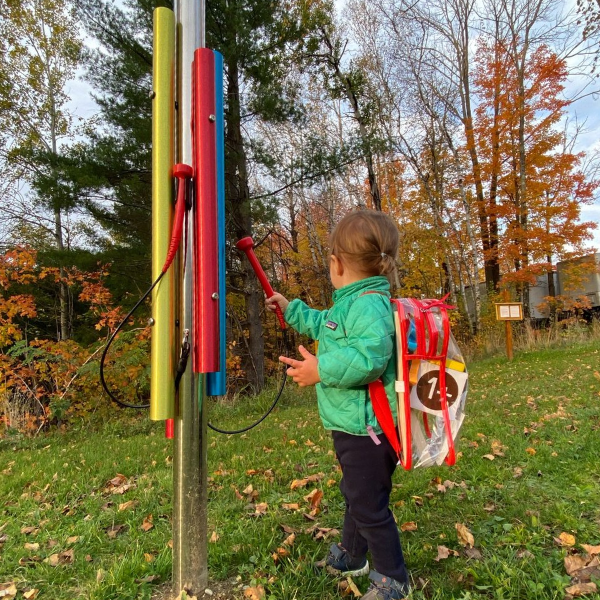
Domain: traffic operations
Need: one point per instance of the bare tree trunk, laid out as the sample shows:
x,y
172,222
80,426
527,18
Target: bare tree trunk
x,y
238,198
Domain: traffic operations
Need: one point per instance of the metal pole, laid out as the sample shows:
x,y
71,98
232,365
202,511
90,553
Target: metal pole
x,y
190,564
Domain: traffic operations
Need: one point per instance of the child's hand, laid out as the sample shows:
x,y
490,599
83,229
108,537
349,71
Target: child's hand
x,y
303,372
277,299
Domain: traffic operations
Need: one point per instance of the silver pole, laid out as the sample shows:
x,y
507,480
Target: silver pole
x,y
190,555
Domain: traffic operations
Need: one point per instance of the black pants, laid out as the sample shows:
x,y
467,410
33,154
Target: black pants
x,y
366,484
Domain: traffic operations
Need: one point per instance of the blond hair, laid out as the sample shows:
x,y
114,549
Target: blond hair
x,y
367,241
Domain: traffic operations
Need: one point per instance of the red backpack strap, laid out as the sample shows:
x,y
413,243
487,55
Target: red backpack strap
x,y
383,413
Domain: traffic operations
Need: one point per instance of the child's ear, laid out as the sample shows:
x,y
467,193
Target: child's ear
x,y
338,265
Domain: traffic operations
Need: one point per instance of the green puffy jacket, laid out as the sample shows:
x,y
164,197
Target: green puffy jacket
x,y
356,346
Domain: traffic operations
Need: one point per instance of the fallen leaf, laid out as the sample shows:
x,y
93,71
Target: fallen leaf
x,y
489,456
298,483
591,549
530,451
31,594
261,509
582,589
8,590
347,587
565,539
497,448
473,553
292,506
314,498
29,530
408,526
418,500
148,557
26,561
280,553
72,539
128,504
444,553
114,530
147,524
214,537
255,593
575,562
465,537
62,558
118,480
33,547
517,472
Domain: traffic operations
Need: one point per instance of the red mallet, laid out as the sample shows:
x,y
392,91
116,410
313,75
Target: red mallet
x,y
246,245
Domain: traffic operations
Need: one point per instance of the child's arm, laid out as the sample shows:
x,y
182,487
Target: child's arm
x,y
299,315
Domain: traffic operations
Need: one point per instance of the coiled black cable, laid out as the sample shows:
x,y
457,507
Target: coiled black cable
x,y
125,404
122,324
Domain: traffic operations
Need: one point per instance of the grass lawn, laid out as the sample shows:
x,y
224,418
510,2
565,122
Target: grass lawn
x,y
86,514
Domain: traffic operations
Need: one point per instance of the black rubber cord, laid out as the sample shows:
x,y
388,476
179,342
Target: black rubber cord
x,y
110,341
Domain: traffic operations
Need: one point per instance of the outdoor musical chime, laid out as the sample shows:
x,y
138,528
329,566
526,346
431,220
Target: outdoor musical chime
x,y
188,304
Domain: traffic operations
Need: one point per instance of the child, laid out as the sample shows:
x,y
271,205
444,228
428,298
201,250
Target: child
x,y
356,347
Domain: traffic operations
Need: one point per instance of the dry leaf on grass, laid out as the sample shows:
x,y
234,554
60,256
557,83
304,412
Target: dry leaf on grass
x,y
147,524
114,530
33,547
444,553
260,509
575,562
62,558
255,593
347,587
314,498
465,537
31,594
498,448
565,539
8,590
473,553
298,483
408,526
591,549
582,589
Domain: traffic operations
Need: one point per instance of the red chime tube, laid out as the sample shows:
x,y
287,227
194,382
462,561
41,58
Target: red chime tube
x,y
206,277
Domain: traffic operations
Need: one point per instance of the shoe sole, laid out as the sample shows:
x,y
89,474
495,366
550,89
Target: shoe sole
x,y
352,573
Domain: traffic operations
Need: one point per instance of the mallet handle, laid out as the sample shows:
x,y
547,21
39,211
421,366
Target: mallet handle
x,y
247,246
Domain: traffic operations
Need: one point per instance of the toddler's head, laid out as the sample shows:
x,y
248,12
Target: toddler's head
x,y
367,241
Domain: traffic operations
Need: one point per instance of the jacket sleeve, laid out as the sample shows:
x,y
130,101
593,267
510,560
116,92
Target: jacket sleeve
x,y
304,319
368,348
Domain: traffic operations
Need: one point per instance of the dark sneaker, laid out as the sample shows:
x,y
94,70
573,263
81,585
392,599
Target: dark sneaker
x,y
385,588
339,562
